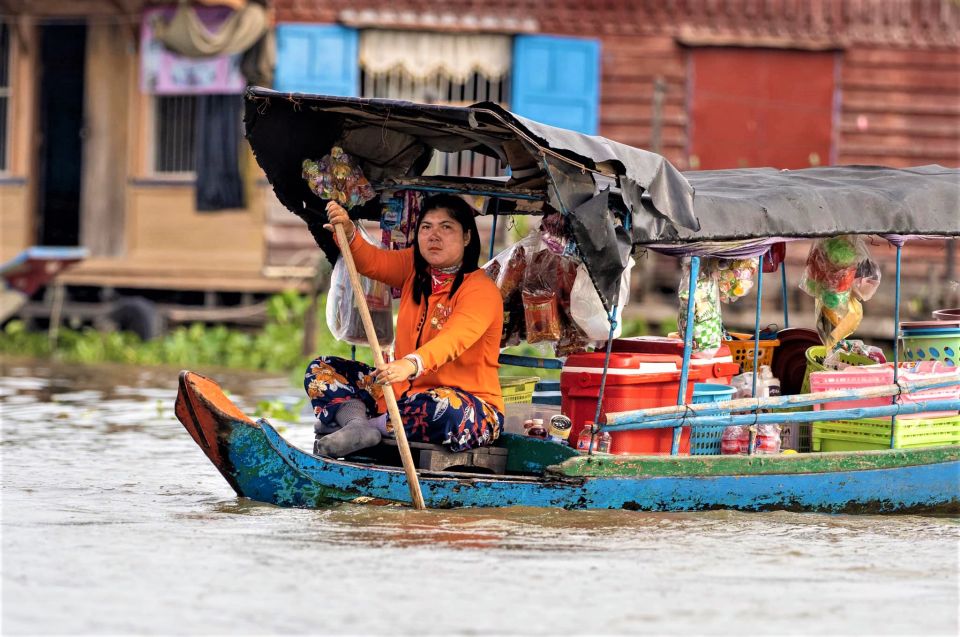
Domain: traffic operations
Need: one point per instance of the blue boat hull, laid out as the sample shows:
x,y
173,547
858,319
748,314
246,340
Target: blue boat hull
x,y
261,465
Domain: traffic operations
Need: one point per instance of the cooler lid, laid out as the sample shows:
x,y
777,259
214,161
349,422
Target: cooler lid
x,y
623,363
668,345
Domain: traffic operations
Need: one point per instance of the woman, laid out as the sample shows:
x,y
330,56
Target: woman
x,y
447,343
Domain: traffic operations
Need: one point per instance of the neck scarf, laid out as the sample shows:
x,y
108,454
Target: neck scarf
x,y
441,277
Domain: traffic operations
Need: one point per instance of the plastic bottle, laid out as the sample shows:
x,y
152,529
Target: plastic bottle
x,y
583,440
604,440
768,385
535,429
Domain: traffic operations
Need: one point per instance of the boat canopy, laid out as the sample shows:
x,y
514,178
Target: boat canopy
x,y
721,213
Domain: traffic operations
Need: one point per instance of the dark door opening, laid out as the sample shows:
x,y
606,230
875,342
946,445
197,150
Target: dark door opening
x,y
62,54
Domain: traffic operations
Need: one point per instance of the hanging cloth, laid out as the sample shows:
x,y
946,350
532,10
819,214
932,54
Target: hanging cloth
x,y
189,36
219,183
423,55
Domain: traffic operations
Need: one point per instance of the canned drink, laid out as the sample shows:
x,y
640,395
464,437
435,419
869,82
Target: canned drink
x,y
560,428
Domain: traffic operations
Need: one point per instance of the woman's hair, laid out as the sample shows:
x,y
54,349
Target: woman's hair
x,y
461,211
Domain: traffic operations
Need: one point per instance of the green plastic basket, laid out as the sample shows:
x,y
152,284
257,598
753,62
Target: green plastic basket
x,y
874,433
935,347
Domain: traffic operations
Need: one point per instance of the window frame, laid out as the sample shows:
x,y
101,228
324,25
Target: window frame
x,y
6,93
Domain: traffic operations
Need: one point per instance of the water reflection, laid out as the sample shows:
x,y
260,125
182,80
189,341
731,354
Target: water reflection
x,y
114,522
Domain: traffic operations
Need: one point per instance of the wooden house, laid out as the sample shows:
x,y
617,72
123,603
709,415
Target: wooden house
x,y
89,156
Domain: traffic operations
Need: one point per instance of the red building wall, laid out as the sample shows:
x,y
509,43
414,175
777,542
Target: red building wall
x,y
897,86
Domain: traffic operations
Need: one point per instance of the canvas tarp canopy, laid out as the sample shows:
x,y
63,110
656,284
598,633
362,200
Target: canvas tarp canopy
x,y
698,212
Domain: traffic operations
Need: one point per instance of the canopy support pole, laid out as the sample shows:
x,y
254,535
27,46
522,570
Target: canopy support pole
x,y
783,294
756,324
687,348
493,230
603,379
896,343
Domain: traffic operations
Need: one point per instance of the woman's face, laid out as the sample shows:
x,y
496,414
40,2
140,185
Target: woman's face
x,y
441,239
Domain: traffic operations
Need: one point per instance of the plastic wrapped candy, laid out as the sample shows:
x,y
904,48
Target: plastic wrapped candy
x,y
734,277
337,177
838,275
707,322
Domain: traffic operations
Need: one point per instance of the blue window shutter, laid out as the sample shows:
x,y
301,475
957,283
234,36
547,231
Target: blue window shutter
x,y
317,58
557,81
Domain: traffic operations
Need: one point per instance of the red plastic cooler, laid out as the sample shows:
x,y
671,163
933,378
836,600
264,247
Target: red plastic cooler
x,y
634,381
719,368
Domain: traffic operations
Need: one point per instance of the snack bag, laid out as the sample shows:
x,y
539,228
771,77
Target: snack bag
x,y
541,301
337,177
707,321
734,277
838,275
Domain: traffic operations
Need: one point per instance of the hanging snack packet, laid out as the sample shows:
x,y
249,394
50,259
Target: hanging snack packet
x,y
831,277
707,322
337,177
735,278
541,304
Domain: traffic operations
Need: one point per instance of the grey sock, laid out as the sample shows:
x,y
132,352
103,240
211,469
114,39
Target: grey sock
x,y
352,437
351,411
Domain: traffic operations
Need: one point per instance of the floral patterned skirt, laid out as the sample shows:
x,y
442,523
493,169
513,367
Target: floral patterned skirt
x,y
442,415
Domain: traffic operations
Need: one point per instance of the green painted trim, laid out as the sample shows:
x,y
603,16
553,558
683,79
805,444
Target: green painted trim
x,y
532,455
677,466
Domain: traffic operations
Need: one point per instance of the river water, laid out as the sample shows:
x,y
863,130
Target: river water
x,y
113,521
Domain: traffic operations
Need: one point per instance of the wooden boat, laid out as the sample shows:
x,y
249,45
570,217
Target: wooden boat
x,y
259,464
30,270
734,213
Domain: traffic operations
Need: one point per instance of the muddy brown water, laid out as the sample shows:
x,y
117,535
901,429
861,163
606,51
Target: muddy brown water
x,y
113,521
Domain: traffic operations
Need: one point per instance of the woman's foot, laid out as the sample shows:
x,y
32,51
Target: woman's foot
x,y
347,440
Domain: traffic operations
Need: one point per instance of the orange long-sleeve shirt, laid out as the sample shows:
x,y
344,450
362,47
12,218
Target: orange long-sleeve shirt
x,y
457,338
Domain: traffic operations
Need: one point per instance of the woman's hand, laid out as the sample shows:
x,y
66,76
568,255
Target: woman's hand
x,y
336,214
394,372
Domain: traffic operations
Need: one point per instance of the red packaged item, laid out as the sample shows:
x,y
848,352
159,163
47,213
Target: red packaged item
x,y
735,441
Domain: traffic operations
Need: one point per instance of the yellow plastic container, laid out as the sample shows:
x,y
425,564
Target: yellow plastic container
x,y
518,389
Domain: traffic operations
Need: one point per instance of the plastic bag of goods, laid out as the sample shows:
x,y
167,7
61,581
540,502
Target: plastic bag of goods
x,y
587,309
507,270
343,316
541,300
839,274
707,322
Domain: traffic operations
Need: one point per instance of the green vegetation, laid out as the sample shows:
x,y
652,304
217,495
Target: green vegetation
x,y
275,348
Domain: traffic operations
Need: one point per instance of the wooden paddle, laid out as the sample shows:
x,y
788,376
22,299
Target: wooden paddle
x,y
392,408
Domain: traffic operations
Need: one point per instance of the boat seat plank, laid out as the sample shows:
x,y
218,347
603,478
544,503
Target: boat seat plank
x,y
438,458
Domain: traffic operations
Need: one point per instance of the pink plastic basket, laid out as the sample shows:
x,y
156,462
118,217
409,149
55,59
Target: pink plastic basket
x,y
872,375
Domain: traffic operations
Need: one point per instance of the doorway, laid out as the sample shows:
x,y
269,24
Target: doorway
x,y
761,107
62,55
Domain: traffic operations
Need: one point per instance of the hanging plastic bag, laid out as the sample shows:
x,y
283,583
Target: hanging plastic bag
x,y
343,316
338,177
734,277
541,301
507,270
839,273
707,321
587,309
